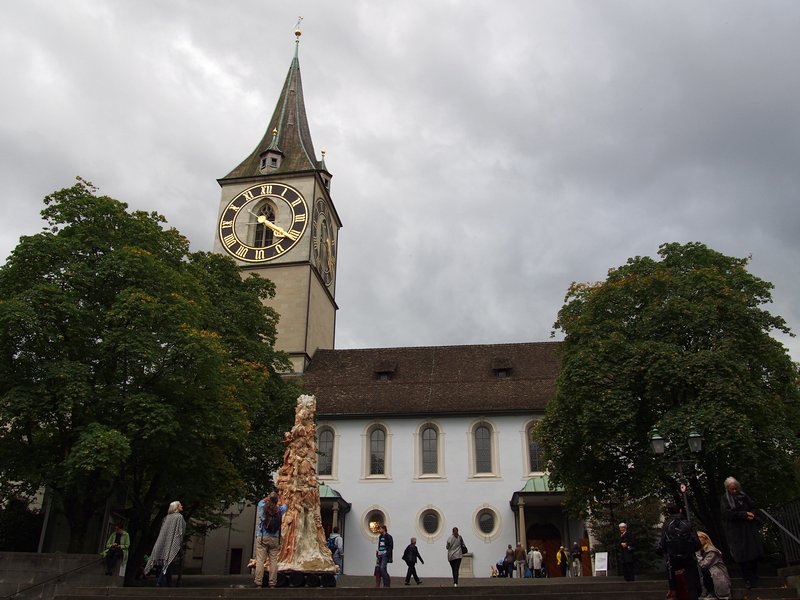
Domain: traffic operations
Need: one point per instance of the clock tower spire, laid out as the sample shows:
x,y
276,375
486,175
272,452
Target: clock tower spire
x,y
276,218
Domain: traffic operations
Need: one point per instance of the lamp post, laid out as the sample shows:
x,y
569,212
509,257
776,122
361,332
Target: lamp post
x,y
230,515
659,445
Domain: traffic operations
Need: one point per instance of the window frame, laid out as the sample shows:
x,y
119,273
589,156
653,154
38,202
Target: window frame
x,y
334,452
419,443
366,461
365,519
494,470
498,523
441,528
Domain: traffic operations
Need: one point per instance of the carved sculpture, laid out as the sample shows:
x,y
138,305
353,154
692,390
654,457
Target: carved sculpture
x,y
303,546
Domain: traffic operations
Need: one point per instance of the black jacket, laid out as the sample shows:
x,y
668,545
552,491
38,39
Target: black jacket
x,y
744,540
411,554
389,545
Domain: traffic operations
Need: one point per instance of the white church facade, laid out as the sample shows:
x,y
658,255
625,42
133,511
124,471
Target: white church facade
x,y
430,438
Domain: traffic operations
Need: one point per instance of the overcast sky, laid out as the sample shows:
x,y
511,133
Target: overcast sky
x,y
484,154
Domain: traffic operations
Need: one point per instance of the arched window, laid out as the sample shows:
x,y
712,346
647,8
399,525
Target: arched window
x,y
430,451
377,451
534,461
483,449
264,235
325,447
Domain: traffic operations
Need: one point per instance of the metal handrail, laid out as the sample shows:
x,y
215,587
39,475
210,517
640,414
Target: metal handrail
x,y
54,578
791,551
781,527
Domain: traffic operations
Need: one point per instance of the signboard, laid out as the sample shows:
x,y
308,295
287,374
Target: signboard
x,y
601,563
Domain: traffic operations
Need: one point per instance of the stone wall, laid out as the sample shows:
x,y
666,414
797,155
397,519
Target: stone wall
x,y
41,576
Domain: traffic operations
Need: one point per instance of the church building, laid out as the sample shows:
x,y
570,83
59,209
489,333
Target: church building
x,y
421,439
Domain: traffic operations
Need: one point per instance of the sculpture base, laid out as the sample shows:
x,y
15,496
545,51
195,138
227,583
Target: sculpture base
x,y
292,578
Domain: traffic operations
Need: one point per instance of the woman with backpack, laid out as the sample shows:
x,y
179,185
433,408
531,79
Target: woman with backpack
x,y
679,543
268,539
336,546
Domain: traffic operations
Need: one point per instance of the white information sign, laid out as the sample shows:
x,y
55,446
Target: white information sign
x,y
601,563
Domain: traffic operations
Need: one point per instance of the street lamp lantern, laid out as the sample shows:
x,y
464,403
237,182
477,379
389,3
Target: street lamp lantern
x,y
695,441
657,442
659,445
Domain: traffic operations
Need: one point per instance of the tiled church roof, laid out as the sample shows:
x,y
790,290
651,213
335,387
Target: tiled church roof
x,y
434,380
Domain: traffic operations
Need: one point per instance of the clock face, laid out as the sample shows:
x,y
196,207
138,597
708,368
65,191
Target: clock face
x,y
324,243
263,222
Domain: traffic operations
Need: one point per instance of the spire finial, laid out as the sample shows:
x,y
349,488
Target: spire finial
x,y
297,32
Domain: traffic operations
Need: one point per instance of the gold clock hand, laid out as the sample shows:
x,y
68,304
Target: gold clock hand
x,y
265,221
330,255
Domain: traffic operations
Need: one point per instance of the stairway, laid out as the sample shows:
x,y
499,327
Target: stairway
x,y
354,588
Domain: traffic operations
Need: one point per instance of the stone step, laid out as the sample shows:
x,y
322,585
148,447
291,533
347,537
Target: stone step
x,y
354,588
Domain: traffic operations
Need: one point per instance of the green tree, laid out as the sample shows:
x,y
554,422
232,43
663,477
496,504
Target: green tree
x,y
677,343
132,368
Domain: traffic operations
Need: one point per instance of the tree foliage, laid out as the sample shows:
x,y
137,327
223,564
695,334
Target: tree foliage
x,y
677,343
131,367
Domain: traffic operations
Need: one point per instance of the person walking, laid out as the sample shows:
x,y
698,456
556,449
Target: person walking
x,y
456,548
741,530
410,556
562,559
168,544
268,539
576,556
384,554
116,549
336,546
626,548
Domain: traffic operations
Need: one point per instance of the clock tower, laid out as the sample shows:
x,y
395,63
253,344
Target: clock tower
x,y
276,218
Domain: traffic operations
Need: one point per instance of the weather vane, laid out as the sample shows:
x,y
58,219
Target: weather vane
x,y
297,31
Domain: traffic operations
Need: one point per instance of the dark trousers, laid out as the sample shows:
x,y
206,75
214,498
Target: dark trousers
x,y
165,576
412,572
690,573
113,556
455,565
627,571
749,571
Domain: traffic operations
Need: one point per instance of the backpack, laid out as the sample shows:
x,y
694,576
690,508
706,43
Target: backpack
x,y
678,539
271,524
332,544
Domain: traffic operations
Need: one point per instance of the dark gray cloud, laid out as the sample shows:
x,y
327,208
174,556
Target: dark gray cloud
x,y
485,155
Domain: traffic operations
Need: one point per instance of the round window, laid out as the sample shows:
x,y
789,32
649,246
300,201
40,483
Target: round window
x,y
486,521
430,522
374,521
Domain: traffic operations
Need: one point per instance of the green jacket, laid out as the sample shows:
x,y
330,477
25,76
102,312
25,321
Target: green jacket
x,y
124,542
